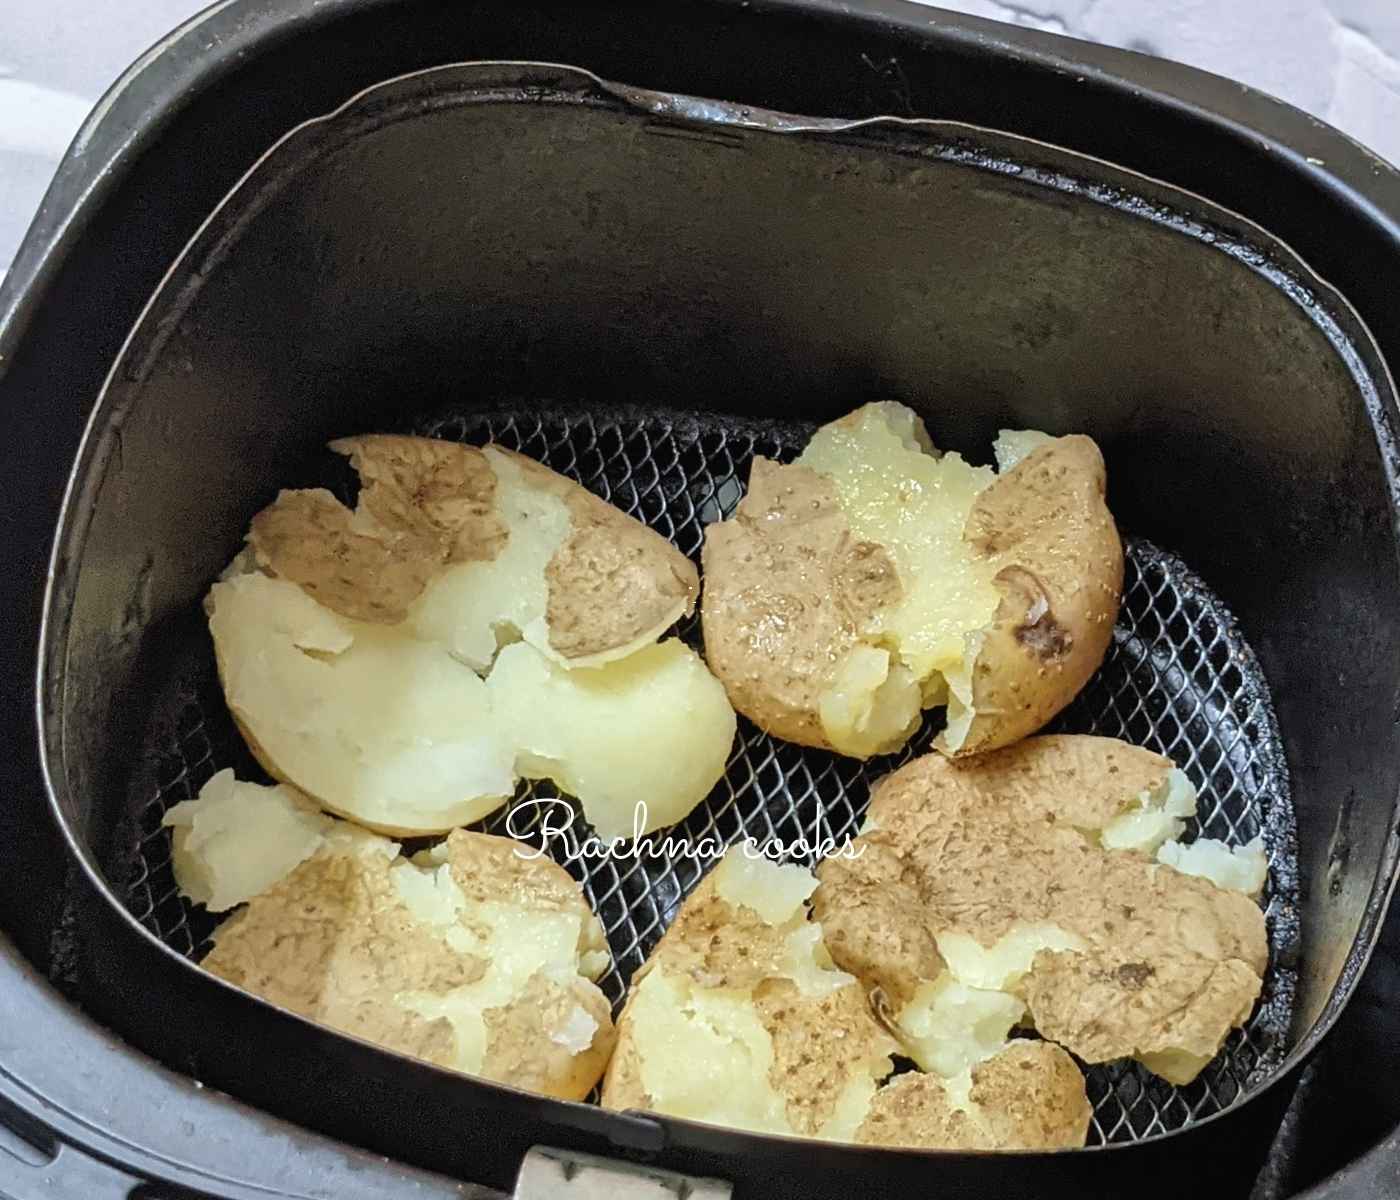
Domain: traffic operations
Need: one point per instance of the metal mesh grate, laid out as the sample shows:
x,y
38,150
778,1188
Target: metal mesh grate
x,y
1178,679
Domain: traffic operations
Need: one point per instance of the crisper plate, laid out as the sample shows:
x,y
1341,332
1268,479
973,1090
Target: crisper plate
x,y
1179,678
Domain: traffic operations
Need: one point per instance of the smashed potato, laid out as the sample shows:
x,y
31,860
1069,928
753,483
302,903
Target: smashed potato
x,y
992,884
237,839
874,578
1030,1096
650,728
1239,868
468,955
361,651
375,724
471,546
739,1018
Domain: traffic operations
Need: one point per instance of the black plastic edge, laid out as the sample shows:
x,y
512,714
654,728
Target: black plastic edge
x,y
98,1141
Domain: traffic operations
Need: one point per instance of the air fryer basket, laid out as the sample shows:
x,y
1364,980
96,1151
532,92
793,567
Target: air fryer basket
x,y
1179,679
644,291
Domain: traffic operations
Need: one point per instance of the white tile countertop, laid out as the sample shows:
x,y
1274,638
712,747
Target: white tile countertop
x,y
1339,59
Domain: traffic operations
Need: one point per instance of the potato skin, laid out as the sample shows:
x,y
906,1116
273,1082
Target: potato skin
x,y
787,588
1170,962
426,504
1046,529
1029,1097
334,942
423,504
614,583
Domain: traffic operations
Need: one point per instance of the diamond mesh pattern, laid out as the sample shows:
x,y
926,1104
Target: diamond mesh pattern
x,y
1179,679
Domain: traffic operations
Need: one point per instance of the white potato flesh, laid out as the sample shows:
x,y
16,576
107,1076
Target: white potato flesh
x,y
237,839
705,1054
654,728
1154,817
472,608
948,1027
1236,868
398,734
915,505
515,942
776,893
966,1015
373,723
874,702
1001,966
894,492
1012,445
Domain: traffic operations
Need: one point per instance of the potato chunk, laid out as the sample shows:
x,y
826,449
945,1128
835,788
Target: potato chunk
x,y
948,1027
739,1018
238,839
999,862
875,577
1239,868
653,729
373,723
355,647
470,956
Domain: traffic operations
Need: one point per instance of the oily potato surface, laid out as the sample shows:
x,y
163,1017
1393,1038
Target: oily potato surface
x,y
468,956
874,578
1004,863
739,1018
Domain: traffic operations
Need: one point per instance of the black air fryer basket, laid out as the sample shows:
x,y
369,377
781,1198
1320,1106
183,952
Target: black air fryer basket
x,y
644,290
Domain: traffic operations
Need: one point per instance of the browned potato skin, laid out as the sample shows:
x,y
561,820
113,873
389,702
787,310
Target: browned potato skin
x,y
426,504
423,504
613,579
336,911
981,845
1030,1096
1046,529
816,1040
787,588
